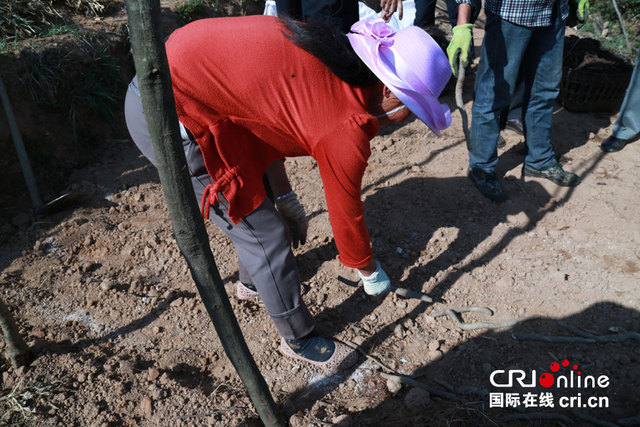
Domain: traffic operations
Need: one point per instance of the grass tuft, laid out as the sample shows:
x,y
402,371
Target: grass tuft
x,y
83,79
21,400
190,10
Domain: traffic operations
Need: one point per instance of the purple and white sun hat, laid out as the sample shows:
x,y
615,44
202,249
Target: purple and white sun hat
x,y
410,63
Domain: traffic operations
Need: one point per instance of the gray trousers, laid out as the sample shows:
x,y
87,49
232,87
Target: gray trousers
x,y
261,239
627,125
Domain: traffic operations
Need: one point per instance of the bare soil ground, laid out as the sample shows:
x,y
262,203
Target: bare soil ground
x,y
121,337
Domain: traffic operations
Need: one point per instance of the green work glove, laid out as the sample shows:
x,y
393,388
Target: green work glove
x,y
583,10
460,46
376,284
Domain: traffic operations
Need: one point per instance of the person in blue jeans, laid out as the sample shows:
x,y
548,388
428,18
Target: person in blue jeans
x,y
341,13
627,126
523,43
426,12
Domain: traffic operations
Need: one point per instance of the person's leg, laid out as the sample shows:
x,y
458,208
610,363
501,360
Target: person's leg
x,y
627,124
452,12
342,13
426,13
496,78
501,54
542,73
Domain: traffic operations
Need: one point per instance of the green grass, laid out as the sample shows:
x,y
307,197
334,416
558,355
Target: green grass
x,y
8,46
56,30
88,7
190,10
604,25
75,81
21,19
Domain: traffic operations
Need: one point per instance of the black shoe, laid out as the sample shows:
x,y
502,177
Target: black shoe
x,y
488,184
553,173
516,126
612,144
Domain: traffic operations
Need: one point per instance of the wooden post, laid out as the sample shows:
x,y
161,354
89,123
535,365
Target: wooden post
x,y
17,349
159,109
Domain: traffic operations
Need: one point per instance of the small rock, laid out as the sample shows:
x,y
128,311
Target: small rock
x,y
152,374
394,385
6,379
401,304
145,408
297,420
417,399
38,334
343,420
81,377
434,354
398,331
520,219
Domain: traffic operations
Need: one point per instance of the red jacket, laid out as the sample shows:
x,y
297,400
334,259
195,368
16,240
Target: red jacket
x,y
250,96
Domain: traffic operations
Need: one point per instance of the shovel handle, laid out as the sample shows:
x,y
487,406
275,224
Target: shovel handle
x,y
460,104
22,153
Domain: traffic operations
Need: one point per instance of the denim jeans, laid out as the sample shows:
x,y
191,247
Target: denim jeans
x,y
342,13
426,12
511,55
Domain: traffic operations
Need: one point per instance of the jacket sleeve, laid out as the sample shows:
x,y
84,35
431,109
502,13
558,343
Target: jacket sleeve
x,y
342,159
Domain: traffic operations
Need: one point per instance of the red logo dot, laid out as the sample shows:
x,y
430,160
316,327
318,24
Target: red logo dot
x,y
579,373
555,367
575,367
546,380
565,363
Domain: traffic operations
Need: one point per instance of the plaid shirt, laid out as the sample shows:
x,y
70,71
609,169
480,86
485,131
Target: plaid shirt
x,y
528,13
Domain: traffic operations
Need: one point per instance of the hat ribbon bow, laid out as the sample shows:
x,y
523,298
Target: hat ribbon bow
x,y
376,29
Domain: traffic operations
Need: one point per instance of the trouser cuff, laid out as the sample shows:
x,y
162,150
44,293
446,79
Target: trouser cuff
x,y
295,323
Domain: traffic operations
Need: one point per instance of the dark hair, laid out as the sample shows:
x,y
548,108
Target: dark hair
x,y
327,43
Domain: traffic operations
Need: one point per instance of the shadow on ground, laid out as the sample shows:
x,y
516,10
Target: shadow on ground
x,y
599,341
